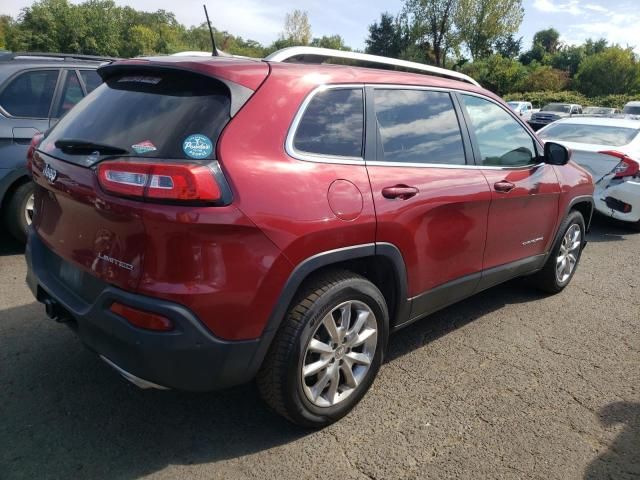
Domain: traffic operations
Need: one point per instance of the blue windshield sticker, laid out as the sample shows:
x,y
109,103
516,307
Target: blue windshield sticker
x,y
197,146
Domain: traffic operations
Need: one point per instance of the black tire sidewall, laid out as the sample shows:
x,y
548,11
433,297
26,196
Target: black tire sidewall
x,y
351,289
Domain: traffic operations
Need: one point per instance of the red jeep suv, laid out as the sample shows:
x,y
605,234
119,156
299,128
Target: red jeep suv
x,y
205,221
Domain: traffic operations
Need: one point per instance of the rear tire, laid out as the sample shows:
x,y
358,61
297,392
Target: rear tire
x,y
19,211
565,256
346,360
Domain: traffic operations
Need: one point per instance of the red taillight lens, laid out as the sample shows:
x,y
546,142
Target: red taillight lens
x,y
180,182
141,318
627,166
35,141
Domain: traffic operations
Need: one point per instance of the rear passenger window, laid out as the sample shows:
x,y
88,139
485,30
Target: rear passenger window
x,y
501,139
332,124
418,126
91,79
30,94
71,94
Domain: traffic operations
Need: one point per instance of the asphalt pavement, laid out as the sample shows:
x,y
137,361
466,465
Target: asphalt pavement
x,y
508,384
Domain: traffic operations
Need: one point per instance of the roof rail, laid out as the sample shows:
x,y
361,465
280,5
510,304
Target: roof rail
x,y
54,56
319,55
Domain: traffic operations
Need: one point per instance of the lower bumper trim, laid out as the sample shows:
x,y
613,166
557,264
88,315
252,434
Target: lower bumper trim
x,y
137,381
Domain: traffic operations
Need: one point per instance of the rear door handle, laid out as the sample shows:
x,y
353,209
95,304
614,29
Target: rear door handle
x,y
503,186
403,192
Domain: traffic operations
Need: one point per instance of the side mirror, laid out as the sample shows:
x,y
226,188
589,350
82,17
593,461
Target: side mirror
x,y
556,154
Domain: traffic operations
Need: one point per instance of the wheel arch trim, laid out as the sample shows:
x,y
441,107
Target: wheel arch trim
x,y
326,259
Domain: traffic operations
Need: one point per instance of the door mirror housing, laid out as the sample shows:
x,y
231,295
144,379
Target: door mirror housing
x,y
556,154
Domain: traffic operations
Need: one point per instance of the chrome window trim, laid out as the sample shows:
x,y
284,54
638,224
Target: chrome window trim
x,y
335,159
314,157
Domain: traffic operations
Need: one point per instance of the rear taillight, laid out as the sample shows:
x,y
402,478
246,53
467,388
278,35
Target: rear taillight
x,y
160,181
627,167
35,141
142,318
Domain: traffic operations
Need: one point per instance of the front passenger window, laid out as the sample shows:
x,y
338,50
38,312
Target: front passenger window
x,y
502,141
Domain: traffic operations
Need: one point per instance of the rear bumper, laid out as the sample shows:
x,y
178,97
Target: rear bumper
x,y
627,192
187,358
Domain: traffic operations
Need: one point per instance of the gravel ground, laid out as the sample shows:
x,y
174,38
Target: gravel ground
x,y
507,384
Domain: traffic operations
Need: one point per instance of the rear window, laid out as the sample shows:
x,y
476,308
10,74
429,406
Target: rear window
x,y
156,115
593,134
332,124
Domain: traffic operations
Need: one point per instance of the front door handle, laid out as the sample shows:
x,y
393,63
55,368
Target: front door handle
x,y
504,186
403,192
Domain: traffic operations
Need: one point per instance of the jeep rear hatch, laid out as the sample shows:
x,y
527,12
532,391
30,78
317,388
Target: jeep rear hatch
x,y
146,135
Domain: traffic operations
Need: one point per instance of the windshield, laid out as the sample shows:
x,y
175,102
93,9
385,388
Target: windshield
x,y
514,105
592,134
557,107
632,109
165,115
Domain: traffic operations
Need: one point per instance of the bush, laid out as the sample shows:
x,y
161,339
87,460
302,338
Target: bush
x,y
540,99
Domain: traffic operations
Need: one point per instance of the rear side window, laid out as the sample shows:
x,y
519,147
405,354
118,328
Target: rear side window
x,y
30,94
332,124
158,115
501,139
91,79
418,126
71,94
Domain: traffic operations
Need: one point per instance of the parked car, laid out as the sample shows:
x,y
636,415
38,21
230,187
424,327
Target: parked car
x,y
610,149
600,111
524,109
246,218
552,112
35,91
632,108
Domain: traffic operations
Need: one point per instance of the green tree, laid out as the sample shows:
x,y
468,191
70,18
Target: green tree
x,y
544,78
613,70
548,39
432,23
497,73
142,41
385,37
508,46
568,58
335,42
481,22
6,28
591,47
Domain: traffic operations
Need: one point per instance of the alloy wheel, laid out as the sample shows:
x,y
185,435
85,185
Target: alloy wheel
x,y
339,353
28,209
568,255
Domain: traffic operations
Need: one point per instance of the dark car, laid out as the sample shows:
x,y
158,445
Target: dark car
x,y
552,112
204,221
35,91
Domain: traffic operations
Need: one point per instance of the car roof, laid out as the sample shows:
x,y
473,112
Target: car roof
x,y
318,73
603,121
11,64
632,104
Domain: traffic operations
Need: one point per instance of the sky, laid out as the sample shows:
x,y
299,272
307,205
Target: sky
x,y
616,20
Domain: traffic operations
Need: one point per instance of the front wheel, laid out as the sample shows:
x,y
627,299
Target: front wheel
x,y
328,350
565,256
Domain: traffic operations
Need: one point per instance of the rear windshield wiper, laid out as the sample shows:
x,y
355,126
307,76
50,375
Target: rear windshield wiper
x,y
74,146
